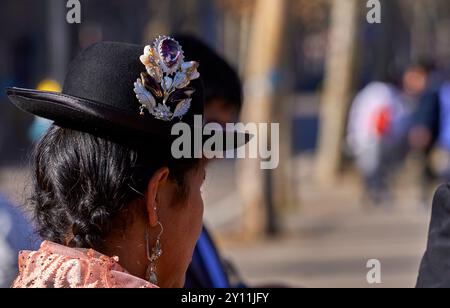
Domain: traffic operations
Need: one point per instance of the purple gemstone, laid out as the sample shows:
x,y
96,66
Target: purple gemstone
x,y
170,52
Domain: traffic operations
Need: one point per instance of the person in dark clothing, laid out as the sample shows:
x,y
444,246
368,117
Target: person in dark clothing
x,y
223,87
424,132
435,266
223,104
427,121
16,234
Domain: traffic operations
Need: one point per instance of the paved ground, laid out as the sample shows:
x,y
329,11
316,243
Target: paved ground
x,y
327,241
332,251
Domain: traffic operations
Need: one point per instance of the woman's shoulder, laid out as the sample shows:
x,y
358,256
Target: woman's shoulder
x,y
58,266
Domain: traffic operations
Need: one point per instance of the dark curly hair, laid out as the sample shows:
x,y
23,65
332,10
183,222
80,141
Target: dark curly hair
x,y
83,182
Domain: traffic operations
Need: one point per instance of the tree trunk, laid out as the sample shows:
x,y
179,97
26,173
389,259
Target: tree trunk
x,y
262,63
337,87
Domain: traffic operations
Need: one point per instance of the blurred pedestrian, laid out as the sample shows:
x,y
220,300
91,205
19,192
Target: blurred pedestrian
x,y
375,135
444,132
426,121
223,104
16,234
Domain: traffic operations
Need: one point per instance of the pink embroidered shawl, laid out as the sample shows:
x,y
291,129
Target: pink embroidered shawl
x,y
57,266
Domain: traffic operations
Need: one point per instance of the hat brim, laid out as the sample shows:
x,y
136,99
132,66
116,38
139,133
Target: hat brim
x,y
94,117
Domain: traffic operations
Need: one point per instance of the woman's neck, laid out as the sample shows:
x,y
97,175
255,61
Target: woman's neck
x,y
130,248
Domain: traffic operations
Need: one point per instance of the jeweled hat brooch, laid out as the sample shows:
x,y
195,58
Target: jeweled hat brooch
x,y
163,89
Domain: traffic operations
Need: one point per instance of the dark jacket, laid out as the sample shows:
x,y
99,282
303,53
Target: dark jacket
x,y
435,267
428,115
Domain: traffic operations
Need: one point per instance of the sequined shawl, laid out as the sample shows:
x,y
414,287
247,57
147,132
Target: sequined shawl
x,y
57,266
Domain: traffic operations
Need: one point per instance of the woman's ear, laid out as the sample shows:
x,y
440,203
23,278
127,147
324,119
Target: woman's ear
x,y
153,189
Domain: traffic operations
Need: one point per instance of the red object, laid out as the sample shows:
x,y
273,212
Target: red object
x,y
383,121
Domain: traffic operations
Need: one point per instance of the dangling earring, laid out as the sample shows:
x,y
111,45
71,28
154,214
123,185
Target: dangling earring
x,y
153,256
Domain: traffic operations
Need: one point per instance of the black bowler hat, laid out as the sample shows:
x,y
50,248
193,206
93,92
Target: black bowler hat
x,y
101,95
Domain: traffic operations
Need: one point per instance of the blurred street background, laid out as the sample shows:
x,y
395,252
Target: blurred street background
x,y
364,113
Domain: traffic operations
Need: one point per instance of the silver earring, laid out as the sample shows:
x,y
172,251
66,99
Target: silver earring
x,y
153,256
